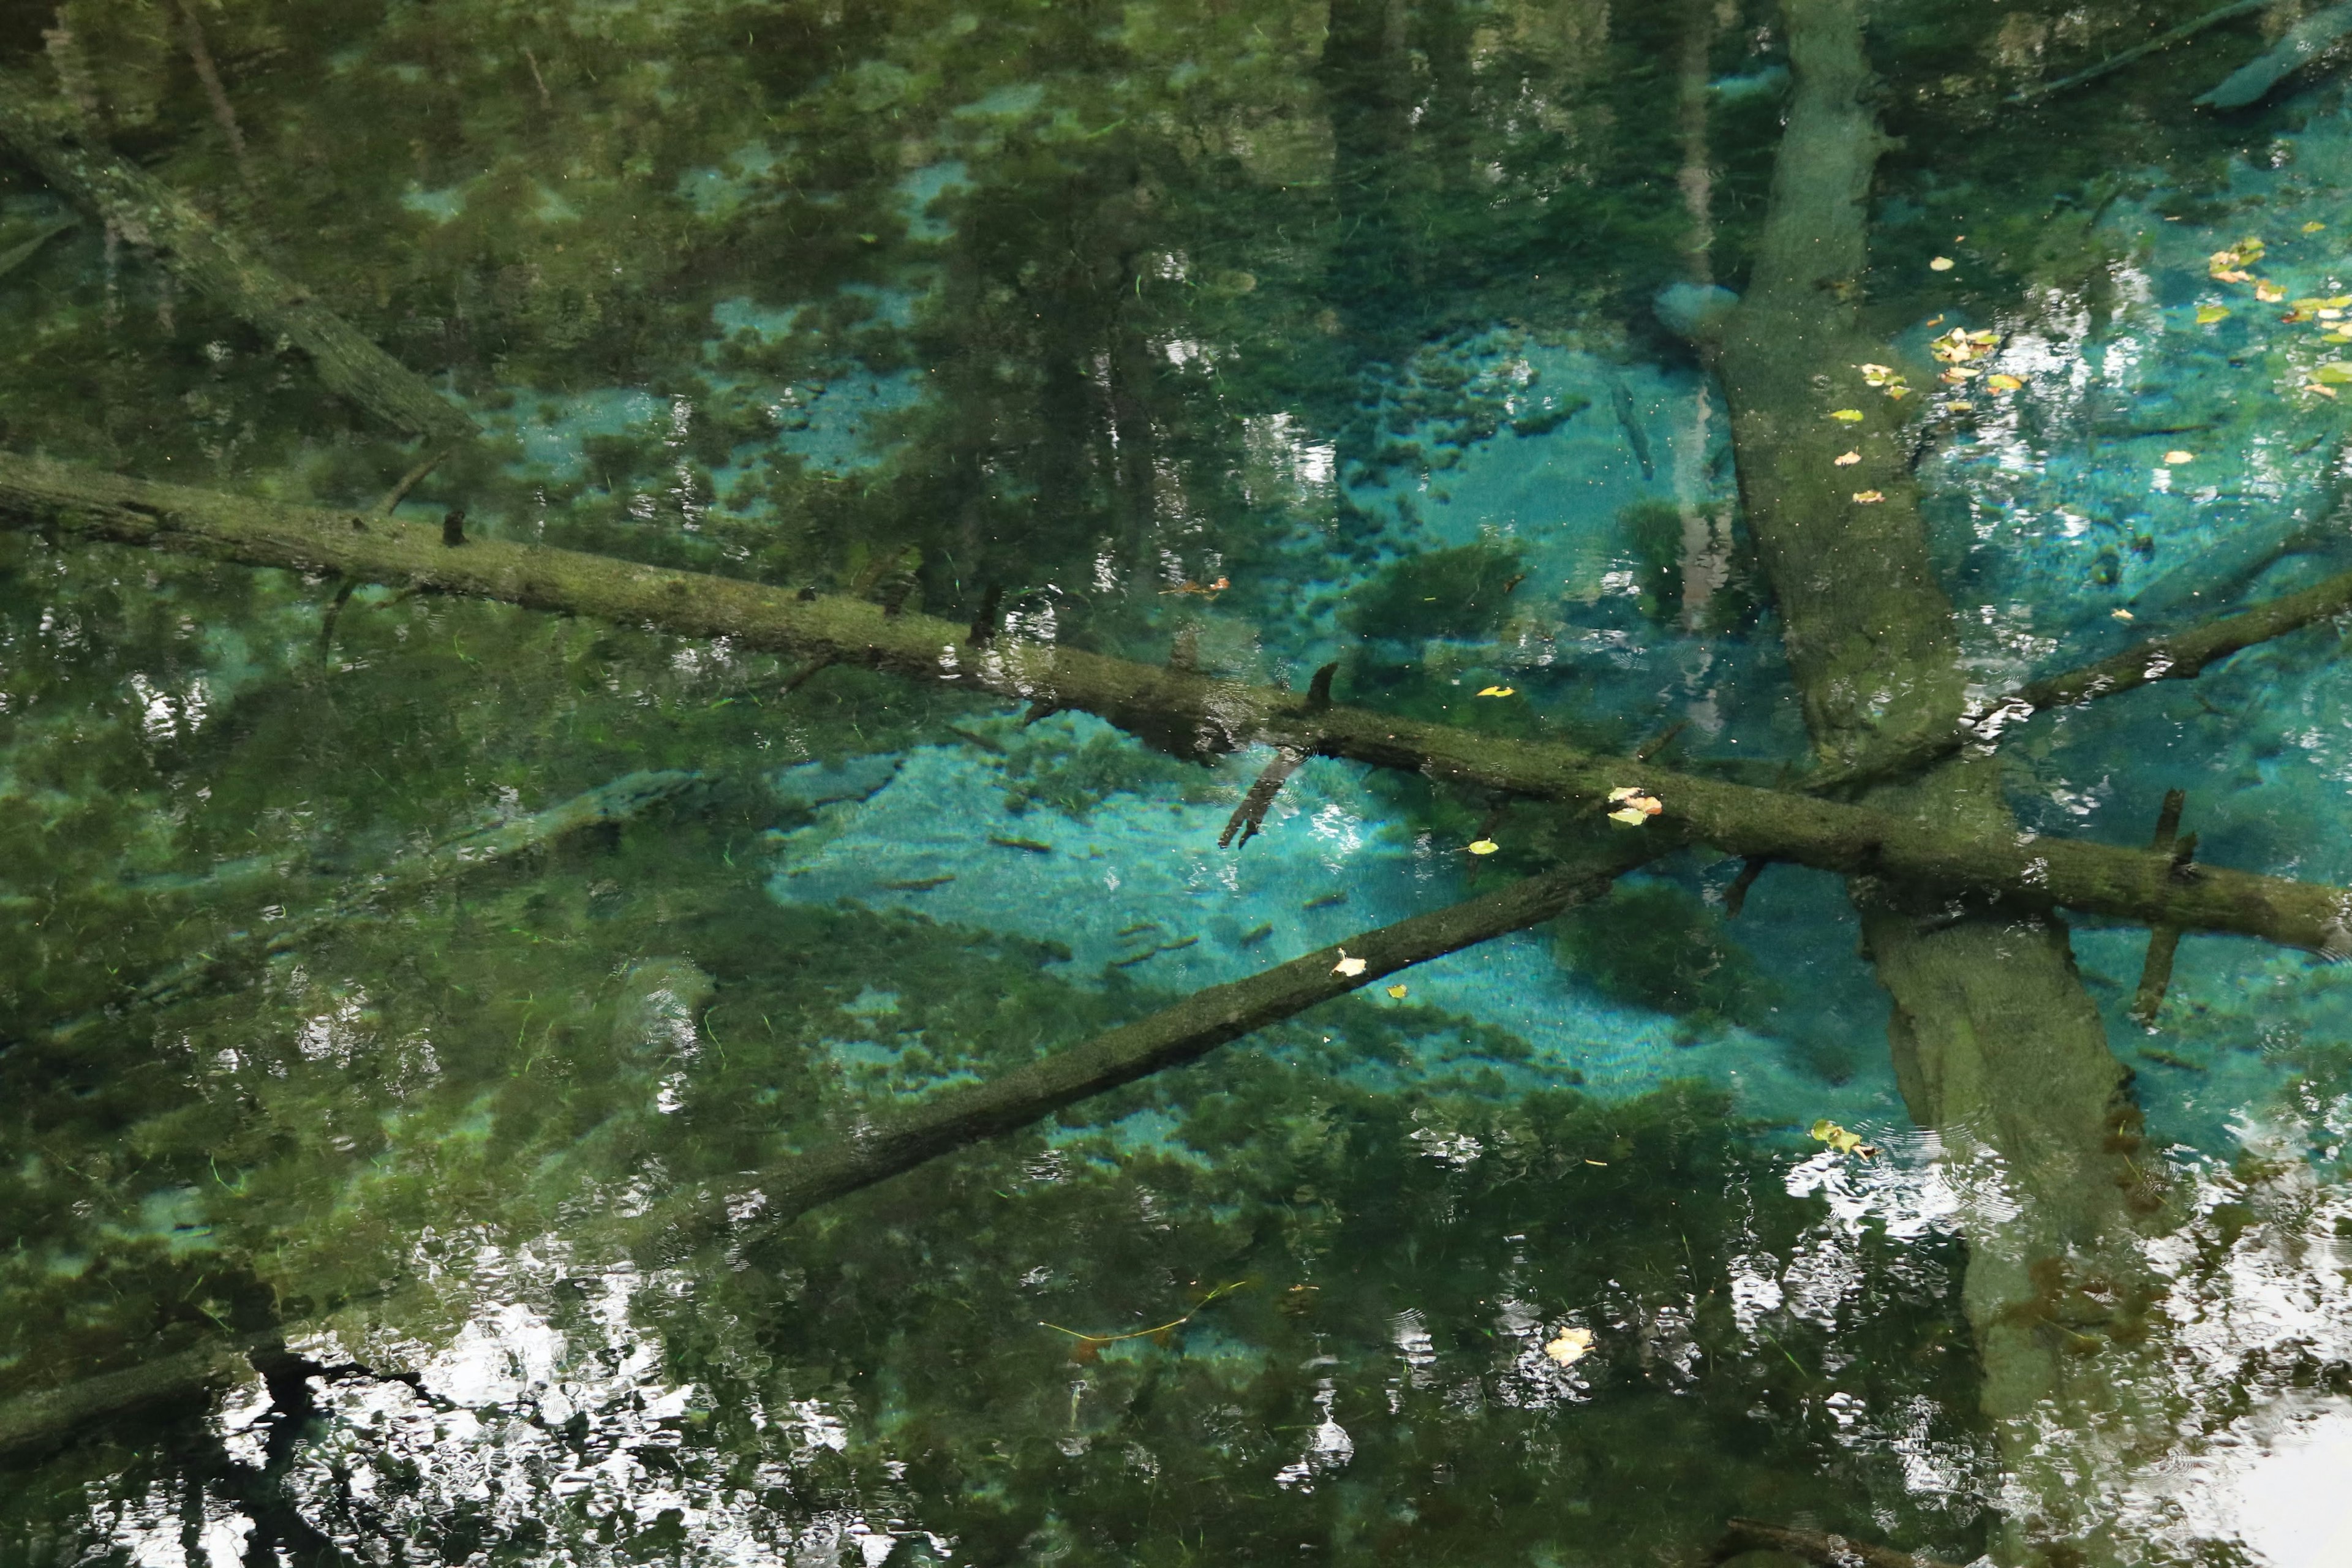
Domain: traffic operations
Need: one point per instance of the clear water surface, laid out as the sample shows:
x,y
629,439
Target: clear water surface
x,y
350,1108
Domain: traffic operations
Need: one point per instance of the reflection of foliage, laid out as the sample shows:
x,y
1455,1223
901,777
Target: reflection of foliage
x,y
1461,592
1655,944
1075,776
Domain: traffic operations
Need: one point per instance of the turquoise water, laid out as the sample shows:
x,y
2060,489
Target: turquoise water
x,y
415,1005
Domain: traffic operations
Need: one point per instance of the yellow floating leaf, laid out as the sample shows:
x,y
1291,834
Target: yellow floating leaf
x,y
2336,302
2330,313
2002,381
1496,690
1570,1346
1629,817
2178,456
2232,275
1869,498
1350,967
1839,1138
2313,227
1634,806
2269,293
1849,416
2335,372
2119,614
1940,264
2337,338
1959,375
1485,847
1846,459
2208,314
1878,375
1898,391
1957,407
1398,991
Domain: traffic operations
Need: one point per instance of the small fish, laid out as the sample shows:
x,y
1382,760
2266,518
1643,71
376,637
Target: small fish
x,y
916,884
1178,945
1328,901
1621,398
1137,930
1257,934
1132,959
1188,586
1029,845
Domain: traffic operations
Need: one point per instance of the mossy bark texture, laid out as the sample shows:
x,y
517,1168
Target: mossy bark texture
x,y
1189,713
1997,1045
150,214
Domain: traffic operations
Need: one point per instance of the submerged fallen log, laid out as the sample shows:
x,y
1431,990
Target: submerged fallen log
x,y
53,1415
214,262
233,960
1185,1032
2304,42
2163,40
1184,713
2180,656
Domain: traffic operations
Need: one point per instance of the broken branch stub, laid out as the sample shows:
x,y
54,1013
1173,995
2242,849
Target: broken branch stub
x,y
1187,714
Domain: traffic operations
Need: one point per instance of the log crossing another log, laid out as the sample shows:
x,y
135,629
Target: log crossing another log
x,y
1187,713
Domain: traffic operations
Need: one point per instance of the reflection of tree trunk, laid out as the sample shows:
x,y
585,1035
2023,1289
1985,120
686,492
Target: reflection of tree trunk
x,y
1997,1045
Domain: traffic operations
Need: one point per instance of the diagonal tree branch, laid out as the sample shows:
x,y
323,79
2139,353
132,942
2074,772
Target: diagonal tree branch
x,y
2182,656
1176,1035
1186,714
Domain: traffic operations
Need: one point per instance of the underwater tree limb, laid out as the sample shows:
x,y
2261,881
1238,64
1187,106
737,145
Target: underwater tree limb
x,y
2303,43
2180,656
620,800
53,1414
2163,40
1185,1032
213,260
1189,714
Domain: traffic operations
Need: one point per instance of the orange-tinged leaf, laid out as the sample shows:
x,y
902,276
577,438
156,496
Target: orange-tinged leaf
x,y
1846,459
2002,381
2176,456
2269,293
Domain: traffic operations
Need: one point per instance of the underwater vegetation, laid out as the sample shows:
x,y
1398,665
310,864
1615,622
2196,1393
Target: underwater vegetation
x,y
1338,364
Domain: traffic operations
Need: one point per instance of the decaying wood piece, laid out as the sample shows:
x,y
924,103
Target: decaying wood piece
x,y
2163,40
2303,43
1250,815
2180,656
53,1415
148,213
232,961
2163,941
1187,714
1744,1535
1172,1036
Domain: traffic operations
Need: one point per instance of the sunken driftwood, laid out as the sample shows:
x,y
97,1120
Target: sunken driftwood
x,y
236,960
214,262
2303,43
2182,656
1186,714
2163,40
53,1414
1185,1032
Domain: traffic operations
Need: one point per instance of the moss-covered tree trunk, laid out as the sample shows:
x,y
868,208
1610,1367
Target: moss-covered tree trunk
x,y
1996,1044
